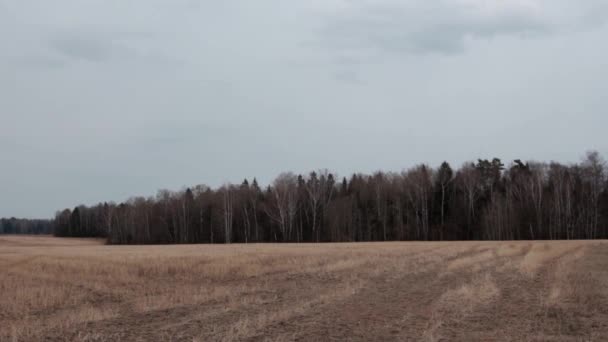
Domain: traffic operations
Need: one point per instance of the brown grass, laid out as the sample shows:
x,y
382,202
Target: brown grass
x,y
82,290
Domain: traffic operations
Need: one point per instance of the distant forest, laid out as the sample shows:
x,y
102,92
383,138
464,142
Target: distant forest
x,y
25,226
484,200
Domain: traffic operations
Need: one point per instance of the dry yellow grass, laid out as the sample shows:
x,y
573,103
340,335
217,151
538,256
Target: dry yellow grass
x,y
544,252
82,290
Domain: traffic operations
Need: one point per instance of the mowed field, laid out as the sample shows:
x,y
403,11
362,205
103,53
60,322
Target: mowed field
x,y
55,289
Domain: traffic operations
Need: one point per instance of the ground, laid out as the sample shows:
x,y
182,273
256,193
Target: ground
x,y
55,289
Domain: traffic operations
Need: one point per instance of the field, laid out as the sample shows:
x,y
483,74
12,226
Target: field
x,y
55,289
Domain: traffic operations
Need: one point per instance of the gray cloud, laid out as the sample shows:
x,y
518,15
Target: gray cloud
x,y
39,62
98,47
446,26
85,48
348,76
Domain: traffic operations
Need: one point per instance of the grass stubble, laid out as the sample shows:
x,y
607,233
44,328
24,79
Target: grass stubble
x,y
81,290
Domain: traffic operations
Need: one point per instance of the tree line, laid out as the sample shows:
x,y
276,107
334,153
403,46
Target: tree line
x,y
25,226
483,200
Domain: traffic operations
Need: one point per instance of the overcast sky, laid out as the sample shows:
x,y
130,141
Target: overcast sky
x,y
105,99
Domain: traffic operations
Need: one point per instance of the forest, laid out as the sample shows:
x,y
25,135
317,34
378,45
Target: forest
x,y
483,200
25,226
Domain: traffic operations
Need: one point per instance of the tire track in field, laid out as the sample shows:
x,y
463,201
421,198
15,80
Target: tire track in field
x,y
392,306
397,309
214,319
520,312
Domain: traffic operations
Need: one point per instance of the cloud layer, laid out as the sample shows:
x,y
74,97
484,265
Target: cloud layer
x,y
105,99
446,26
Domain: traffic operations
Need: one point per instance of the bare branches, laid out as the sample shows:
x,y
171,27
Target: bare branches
x,y
482,200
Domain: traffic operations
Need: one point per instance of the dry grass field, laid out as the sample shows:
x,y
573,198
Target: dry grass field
x,y
81,290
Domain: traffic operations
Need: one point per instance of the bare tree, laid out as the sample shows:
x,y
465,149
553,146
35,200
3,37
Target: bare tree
x,y
468,180
228,211
480,201
284,203
594,178
319,190
418,182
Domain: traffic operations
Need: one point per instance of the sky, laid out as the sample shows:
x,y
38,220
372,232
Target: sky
x,y
101,100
